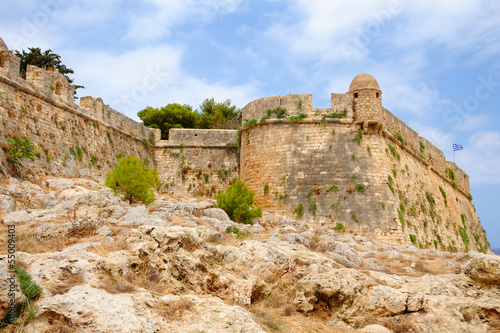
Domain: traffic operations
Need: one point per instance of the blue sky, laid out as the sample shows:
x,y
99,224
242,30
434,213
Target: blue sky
x,y
437,62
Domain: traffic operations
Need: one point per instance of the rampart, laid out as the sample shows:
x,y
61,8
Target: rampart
x,y
356,166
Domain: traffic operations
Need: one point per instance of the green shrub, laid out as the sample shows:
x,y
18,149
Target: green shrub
x,y
239,234
237,202
133,180
360,188
30,289
358,137
312,209
339,227
20,149
333,188
413,239
299,211
266,189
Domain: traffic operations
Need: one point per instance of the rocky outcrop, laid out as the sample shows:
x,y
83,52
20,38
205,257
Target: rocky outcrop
x,y
105,265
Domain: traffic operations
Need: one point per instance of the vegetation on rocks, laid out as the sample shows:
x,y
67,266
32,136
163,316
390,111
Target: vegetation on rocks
x,y
237,201
133,180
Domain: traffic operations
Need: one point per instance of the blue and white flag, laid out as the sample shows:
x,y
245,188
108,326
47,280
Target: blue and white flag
x,y
457,147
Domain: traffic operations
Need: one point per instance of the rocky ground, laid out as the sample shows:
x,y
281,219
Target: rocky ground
x,y
181,265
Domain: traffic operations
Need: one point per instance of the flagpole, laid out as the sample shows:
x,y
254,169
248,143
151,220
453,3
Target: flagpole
x,y
454,155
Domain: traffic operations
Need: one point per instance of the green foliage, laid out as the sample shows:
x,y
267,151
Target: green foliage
x,y
310,192
297,118
170,116
93,160
278,111
444,196
450,173
336,115
394,152
77,151
266,189
20,149
30,289
353,157
249,123
46,59
132,179
369,150
382,204
422,146
299,105
339,227
335,205
358,137
401,214
333,188
312,208
360,188
430,198
211,115
390,184
400,138
469,196
413,239
354,217
299,210
237,202
237,232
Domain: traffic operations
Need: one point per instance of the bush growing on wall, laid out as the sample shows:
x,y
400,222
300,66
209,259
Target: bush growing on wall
x,y
237,201
20,149
133,180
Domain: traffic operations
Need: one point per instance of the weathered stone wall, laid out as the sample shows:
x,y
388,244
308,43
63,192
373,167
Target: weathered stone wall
x,y
336,180
70,140
198,162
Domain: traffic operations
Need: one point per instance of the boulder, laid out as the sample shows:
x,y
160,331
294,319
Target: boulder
x,y
216,213
21,216
9,290
7,204
339,288
484,269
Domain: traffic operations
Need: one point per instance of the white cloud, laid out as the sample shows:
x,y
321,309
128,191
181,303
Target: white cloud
x,y
481,157
149,76
166,14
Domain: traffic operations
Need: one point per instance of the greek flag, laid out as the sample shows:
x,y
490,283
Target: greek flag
x,y
457,147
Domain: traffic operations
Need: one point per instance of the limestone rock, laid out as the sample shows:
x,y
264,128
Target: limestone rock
x,y
7,204
20,216
216,213
375,329
338,287
8,285
485,269
98,311
49,200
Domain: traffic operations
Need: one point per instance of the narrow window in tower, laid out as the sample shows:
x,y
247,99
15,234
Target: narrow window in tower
x,y
355,95
378,95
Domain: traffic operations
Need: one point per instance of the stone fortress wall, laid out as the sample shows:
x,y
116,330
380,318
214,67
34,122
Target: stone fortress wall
x,y
305,157
86,140
363,168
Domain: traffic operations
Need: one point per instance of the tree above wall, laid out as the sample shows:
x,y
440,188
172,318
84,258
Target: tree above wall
x,y
46,59
212,115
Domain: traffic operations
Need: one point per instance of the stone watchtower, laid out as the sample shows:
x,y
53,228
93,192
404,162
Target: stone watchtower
x,y
367,103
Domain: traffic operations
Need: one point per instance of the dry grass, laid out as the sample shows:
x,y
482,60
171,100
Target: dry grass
x,y
423,265
174,310
117,286
27,242
68,280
